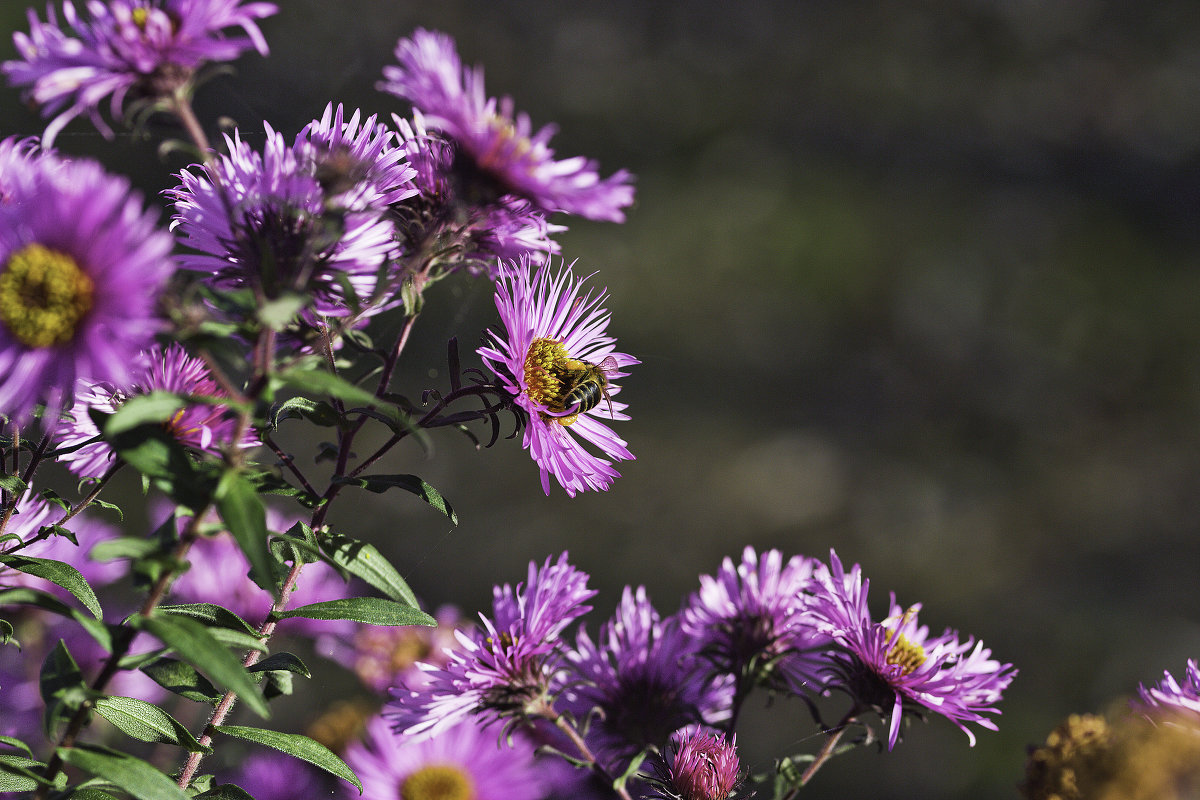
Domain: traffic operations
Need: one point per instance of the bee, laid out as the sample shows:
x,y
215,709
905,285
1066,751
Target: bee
x,y
584,385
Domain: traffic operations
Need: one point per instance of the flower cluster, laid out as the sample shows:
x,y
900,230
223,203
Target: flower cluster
x,y
646,683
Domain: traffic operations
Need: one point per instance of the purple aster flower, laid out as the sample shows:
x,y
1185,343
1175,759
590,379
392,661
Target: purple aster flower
x,y
557,360
463,761
507,669
272,775
81,266
200,426
646,679
507,229
219,573
1169,695
895,666
358,162
697,765
265,221
32,513
750,621
497,153
383,655
16,160
125,48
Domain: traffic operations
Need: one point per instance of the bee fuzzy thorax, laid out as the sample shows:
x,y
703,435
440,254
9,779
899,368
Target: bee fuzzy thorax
x,y
566,386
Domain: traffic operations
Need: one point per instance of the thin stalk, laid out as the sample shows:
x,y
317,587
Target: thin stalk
x,y
121,645
584,750
827,750
11,507
73,511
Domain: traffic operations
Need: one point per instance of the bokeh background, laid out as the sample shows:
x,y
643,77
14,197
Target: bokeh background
x,y
915,281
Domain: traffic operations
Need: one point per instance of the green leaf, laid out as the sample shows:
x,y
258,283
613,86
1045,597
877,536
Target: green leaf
x,y
107,506
133,775
193,642
60,675
319,382
90,793
60,573
154,408
286,662
123,547
243,513
23,595
147,722
12,484
409,483
368,610
12,741
6,633
278,312
19,774
182,679
318,412
211,614
297,746
364,561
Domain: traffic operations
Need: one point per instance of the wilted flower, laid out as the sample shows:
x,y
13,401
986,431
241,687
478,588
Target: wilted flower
x,y
645,677
81,266
125,48
506,669
199,426
506,229
266,222
556,358
1170,695
895,665
463,761
497,153
750,621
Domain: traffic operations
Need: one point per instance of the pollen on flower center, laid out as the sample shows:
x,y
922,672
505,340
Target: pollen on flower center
x,y
547,365
139,16
904,654
43,296
438,782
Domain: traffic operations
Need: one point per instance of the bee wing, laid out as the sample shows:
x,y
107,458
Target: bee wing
x,y
609,366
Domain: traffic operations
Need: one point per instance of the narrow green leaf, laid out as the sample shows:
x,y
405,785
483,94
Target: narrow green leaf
x,y
19,774
286,662
318,412
319,382
368,610
192,641
364,560
212,614
123,547
107,506
23,595
60,675
243,513
13,741
59,573
142,409
147,722
225,791
90,793
6,633
278,312
182,679
12,484
135,776
409,483
297,746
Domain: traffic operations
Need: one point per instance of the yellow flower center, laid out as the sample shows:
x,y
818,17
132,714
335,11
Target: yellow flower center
x,y
548,368
43,296
438,782
507,132
904,654
140,15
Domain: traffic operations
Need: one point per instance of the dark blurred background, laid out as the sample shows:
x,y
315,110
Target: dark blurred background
x,y
915,281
